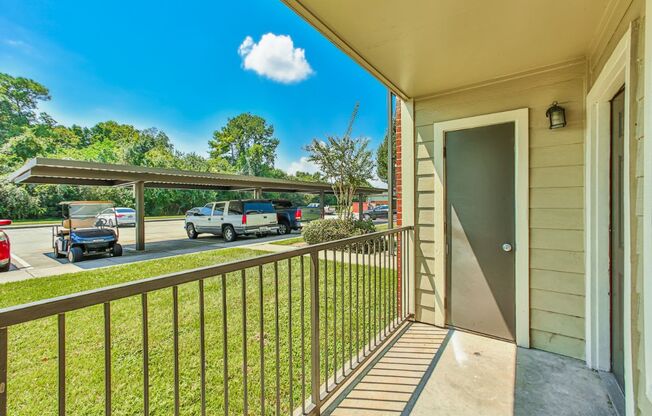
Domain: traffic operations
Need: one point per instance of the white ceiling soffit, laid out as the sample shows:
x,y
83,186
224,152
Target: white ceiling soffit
x,y
423,47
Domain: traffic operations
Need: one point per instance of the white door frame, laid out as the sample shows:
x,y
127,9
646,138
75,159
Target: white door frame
x,y
520,118
614,75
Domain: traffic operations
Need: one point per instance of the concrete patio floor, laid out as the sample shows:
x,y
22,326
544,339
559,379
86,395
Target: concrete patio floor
x,y
431,371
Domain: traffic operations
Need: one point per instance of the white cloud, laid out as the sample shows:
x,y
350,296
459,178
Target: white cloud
x,y
303,165
276,58
377,183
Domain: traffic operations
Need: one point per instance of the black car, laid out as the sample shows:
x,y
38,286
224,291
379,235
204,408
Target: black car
x,y
381,211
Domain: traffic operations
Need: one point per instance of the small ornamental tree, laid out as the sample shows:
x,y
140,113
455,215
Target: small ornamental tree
x,y
346,163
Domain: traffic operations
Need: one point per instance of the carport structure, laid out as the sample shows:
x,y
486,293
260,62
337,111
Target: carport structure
x,y
74,172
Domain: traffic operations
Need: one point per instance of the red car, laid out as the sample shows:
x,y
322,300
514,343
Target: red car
x,y
5,248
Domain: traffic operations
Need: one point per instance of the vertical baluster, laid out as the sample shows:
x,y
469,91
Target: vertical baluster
x,y
290,333
245,366
342,306
381,289
334,316
390,275
62,362
350,311
386,253
303,339
202,349
225,349
315,359
261,330
326,352
365,246
145,327
175,334
393,254
407,274
107,358
3,370
369,299
376,292
278,363
357,303
403,275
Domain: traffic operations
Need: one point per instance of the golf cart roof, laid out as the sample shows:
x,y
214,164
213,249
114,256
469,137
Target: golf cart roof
x,y
85,202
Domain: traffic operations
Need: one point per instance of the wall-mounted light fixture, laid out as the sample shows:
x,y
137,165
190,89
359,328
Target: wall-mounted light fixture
x,y
556,115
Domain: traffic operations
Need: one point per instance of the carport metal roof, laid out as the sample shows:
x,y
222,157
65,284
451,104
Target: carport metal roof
x,y
73,172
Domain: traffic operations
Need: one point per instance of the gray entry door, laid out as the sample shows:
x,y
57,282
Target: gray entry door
x,y
617,243
480,230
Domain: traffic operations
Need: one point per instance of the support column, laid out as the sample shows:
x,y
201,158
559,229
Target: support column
x,y
139,196
390,163
321,205
360,207
258,193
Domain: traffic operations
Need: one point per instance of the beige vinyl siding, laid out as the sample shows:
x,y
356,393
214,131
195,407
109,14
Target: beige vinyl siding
x,y
557,304
636,178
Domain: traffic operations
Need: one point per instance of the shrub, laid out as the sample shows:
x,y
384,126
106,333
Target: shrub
x,y
17,203
321,231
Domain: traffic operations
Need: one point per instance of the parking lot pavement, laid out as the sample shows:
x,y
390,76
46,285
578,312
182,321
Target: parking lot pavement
x,y
32,256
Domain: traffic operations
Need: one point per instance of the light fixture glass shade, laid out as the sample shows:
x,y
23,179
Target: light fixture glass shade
x,y
556,115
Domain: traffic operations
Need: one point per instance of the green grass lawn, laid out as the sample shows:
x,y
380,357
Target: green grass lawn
x,y
32,382
289,241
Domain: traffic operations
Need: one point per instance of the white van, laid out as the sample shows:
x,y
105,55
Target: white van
x,y
231,219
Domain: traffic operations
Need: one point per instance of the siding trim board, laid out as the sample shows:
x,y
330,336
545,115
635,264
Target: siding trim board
x,y
615,73
647,209
520,118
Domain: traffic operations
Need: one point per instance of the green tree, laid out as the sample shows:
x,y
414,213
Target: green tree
x,y
381,154
246,143
346,163
19,98
309,177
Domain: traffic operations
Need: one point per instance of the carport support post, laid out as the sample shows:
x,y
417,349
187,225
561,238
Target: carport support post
x,y
360,207
139,196
321,205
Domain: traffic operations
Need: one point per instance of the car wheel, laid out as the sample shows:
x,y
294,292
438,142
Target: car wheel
x,y
6,267
75,254
116,251
192,233
284,228
228,233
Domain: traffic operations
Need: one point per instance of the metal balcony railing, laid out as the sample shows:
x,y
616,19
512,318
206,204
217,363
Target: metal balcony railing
x,y
276,334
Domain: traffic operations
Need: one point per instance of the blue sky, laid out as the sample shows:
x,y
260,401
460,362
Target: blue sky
x,y
185,67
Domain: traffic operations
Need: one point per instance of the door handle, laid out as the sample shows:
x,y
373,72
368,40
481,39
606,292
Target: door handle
x,y
506,247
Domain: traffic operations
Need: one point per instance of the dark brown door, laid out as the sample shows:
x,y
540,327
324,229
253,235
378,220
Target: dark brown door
x,y
480,229
617,235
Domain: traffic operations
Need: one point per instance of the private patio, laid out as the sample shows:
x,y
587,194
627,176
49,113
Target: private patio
x,y
425,370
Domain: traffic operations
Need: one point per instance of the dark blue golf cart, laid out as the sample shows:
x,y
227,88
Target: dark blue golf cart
x,y
82,232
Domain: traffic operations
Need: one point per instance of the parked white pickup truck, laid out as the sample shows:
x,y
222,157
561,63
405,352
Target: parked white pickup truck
x,y
231,219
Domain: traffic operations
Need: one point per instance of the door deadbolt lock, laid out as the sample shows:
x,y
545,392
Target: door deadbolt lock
x,y
507,247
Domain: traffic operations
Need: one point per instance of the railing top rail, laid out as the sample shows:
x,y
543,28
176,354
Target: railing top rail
x,y
18,314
